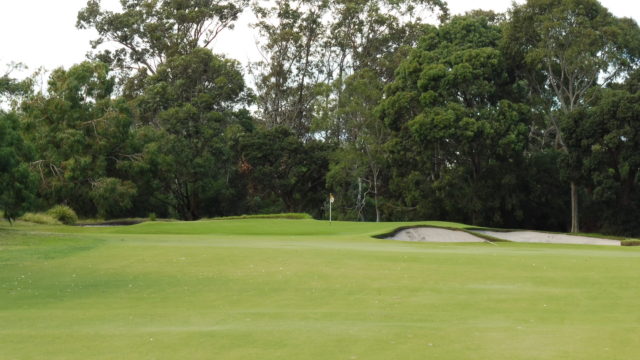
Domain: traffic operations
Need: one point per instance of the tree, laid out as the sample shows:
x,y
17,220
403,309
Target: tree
x,y
284,173
604,144
11,90
80,135
362,155
17,183
189,112
566,48
149,32
290,76
311,46
112,197
456,99
377,35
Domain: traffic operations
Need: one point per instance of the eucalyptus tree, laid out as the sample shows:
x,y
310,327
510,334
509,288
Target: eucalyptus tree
x,y
377,35
11,89
323,68
289,78
146,33
310,47
371,36
357,167
565,48
369,40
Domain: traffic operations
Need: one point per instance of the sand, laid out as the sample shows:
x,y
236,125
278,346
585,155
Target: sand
x,y
546,238
427,234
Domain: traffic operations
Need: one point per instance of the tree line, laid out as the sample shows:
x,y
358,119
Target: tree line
x,y
524,119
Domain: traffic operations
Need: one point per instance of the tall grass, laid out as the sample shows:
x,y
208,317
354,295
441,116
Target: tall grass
x,y
40,218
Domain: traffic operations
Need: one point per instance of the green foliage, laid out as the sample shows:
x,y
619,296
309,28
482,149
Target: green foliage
x,y
283,173
17,183
13,90
547,199
564,49
40,218
580,38
148,32
485,118
79,133
192,112
604,144
288,81
454,99
357,167
112,197
311,47
64,214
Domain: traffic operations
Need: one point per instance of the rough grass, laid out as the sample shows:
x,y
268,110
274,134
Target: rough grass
x,y
305,289
630,242
40,218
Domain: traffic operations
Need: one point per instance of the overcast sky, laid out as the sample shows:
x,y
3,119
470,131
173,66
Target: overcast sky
x,y
43,33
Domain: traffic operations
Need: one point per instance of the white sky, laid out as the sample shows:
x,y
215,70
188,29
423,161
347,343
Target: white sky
x,y
42,32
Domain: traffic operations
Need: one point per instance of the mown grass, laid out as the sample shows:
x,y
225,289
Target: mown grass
x,y
305,289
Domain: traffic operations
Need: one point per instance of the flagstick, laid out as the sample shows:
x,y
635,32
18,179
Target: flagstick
x,y
330,203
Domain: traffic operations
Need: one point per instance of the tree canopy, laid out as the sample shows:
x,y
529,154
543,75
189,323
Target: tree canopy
x,y
400,110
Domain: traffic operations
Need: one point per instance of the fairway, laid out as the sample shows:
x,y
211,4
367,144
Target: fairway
x,y
306,289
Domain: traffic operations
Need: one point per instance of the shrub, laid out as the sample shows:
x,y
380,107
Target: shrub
x,y
40,218
630,243
152,217
64,214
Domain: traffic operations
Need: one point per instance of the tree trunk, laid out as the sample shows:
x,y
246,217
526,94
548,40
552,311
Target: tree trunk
x,y
359,201
375,194
574,208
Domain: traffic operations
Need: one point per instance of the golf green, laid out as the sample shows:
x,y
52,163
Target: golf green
x,y
306,289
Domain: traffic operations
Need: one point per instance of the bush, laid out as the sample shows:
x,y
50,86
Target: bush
x,y
64,214
152,217
630,243
40,218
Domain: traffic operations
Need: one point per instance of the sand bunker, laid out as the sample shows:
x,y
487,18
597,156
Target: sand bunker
x,y
539,237
427,234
